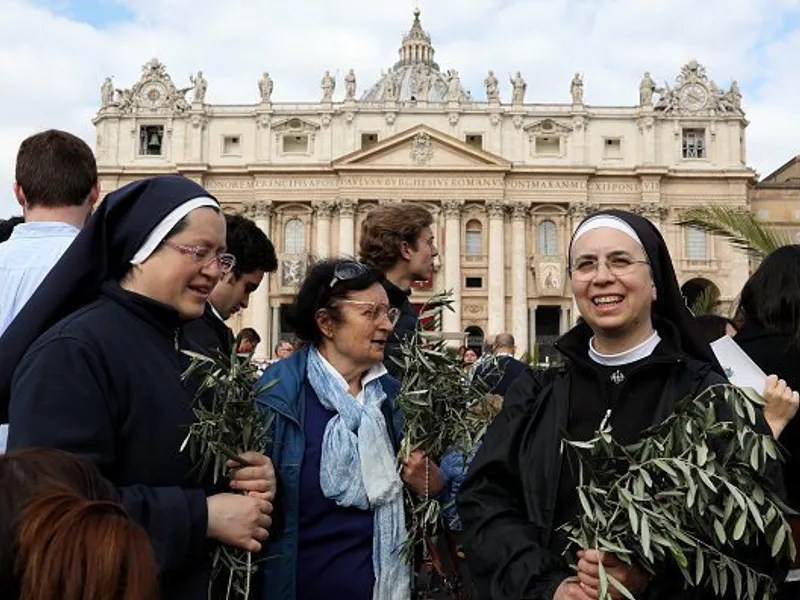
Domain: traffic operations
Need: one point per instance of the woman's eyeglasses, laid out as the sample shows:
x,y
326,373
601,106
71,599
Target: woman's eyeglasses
x,y
376,311
585,269
348,270
202,255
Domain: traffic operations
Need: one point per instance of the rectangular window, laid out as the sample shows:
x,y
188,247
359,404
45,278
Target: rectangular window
x,y
762,214
696,244
797,215
368,140
473,244
232,145
475,140
295,144
612,148
694,143
151,140
473,283
548,146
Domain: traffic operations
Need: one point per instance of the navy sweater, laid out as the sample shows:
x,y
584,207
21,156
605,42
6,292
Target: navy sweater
x,y
333,540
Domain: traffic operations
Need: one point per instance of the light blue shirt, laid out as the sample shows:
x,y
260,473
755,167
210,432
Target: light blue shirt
x,y
25,260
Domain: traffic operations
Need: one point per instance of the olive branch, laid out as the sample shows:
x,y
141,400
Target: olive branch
x,y
442,409
229,423
691,494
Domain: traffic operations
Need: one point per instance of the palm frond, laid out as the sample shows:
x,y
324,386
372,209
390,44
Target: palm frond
x,y
706,302
739,227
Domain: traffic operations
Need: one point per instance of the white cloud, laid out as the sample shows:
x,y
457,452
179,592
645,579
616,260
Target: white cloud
x,y
51,67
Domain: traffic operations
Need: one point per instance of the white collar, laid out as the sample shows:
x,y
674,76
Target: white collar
x,y
371,374
626,357
503,354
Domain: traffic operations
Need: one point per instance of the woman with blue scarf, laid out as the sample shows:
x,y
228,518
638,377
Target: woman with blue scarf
x,y
336,436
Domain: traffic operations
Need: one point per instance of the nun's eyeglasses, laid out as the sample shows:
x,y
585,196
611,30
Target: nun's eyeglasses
x,y
202,255
585,269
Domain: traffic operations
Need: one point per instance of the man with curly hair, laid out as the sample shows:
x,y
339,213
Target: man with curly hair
x,y
255,257
398,239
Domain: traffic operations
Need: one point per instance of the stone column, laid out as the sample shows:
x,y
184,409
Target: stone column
x,y
347,213
497,267
199,122
259,307
532,330
323,211
519,278
451,321
276,327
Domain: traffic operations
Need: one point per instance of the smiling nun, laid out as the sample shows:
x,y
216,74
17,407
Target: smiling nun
x,y
633,356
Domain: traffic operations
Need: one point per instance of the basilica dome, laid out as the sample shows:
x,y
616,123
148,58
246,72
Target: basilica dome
x,y
416,76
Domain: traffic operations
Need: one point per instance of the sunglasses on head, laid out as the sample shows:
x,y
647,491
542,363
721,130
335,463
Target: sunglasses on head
x,y
348,270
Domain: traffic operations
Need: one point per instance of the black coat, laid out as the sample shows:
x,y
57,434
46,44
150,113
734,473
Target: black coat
x,y
497,375
779,354
105,383
207,335
508,503
404,328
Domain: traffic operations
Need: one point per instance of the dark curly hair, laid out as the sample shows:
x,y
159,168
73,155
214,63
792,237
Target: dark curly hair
x,y
7,226
316,292
771,297
385,228
251,247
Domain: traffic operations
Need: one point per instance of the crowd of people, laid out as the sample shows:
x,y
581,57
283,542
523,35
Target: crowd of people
x,y
101,300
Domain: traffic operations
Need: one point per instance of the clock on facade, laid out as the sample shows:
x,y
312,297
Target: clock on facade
x,y
153,94
693,96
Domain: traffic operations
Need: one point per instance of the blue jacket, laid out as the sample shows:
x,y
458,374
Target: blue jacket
x,y
287,401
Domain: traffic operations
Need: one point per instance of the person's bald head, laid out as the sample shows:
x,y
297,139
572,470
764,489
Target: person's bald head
x,y
504,342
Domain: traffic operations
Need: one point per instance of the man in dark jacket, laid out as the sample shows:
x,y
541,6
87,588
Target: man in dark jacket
x,y
255,257
398,240
500,371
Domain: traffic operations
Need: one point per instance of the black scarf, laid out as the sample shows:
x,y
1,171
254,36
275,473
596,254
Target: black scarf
x,y
670,303
102,251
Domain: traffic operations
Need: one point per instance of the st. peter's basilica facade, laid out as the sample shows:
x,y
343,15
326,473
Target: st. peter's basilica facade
x,y
507,179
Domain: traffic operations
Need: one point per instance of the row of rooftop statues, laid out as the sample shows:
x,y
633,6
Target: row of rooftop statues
x,y
669,98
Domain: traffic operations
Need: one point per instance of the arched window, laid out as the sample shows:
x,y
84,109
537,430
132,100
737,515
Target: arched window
x,y
696,244
473,240
547,238
294,238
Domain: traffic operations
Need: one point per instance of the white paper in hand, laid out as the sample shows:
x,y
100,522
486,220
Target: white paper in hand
x,y
739,368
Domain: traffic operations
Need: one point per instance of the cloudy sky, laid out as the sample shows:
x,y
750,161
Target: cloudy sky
x,y
54,54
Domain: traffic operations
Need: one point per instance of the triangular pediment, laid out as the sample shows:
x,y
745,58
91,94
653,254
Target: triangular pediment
x,y
294,124
547,127
425,148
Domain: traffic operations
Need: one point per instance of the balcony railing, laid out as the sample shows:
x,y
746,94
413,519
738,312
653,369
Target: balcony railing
x,y
699,264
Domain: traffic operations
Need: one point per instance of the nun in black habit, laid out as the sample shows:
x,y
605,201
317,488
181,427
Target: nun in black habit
x,y
634,354
93,367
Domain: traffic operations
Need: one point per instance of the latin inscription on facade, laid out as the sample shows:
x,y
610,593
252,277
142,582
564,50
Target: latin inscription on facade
x,y
371,181
608,187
